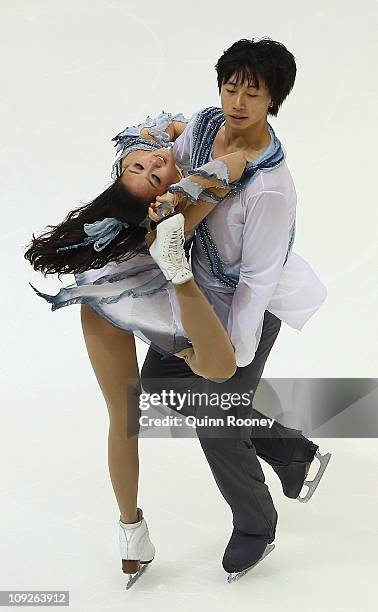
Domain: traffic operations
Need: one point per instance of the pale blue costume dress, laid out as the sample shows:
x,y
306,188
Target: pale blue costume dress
x,y
135,296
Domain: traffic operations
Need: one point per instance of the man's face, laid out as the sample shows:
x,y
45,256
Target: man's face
x,y
245,100
149,173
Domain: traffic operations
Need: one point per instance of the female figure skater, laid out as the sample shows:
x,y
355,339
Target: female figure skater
x,y
112,266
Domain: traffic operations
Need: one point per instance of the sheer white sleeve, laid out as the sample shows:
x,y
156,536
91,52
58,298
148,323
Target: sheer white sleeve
x,y
265,244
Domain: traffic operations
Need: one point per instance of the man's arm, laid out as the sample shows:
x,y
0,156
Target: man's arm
x,y
265,243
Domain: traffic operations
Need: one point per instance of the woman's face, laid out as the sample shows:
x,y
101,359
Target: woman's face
x,y
149,173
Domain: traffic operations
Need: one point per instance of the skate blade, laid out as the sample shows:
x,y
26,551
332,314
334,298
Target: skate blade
x,y
134,577
233,576
312,484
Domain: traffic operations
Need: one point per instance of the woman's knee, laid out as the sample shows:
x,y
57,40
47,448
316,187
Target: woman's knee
x,y
219,372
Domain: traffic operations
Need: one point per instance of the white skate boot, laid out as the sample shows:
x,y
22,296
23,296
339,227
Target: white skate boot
x,y
136,547
168,249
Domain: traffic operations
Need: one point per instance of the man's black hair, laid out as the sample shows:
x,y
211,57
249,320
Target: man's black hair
x,y
266,58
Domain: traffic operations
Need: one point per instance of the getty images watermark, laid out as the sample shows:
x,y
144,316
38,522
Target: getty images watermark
x,y
197,400
317,407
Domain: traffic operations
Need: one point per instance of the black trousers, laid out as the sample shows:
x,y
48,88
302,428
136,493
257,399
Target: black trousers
x,y
232,450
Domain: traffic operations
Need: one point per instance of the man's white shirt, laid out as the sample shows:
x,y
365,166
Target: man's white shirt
x,y
251,232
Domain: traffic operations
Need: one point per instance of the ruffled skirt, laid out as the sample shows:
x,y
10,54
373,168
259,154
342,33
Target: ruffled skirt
x,y
133,295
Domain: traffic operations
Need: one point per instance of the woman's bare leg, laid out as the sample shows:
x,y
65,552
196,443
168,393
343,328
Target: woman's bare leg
x,y
113,357
212,354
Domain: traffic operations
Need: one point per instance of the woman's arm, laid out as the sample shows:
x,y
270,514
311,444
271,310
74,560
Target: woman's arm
x,y
144,134
216,177
235,163
174,130
195,213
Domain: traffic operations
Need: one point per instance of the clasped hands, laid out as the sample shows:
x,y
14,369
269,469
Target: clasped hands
x,y
176,200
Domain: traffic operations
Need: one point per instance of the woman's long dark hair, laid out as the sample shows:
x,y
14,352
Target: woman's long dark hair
x,y
115,201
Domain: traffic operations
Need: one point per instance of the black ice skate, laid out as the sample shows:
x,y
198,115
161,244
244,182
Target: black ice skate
x,y
244,551
293,476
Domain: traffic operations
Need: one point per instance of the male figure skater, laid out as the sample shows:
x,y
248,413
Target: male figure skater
x,y
238,257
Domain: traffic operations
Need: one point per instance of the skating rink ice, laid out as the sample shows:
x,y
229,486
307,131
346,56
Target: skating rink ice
x,y
73,75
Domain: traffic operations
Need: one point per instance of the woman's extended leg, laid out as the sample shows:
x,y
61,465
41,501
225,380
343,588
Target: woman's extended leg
x,y
113,357
212,355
